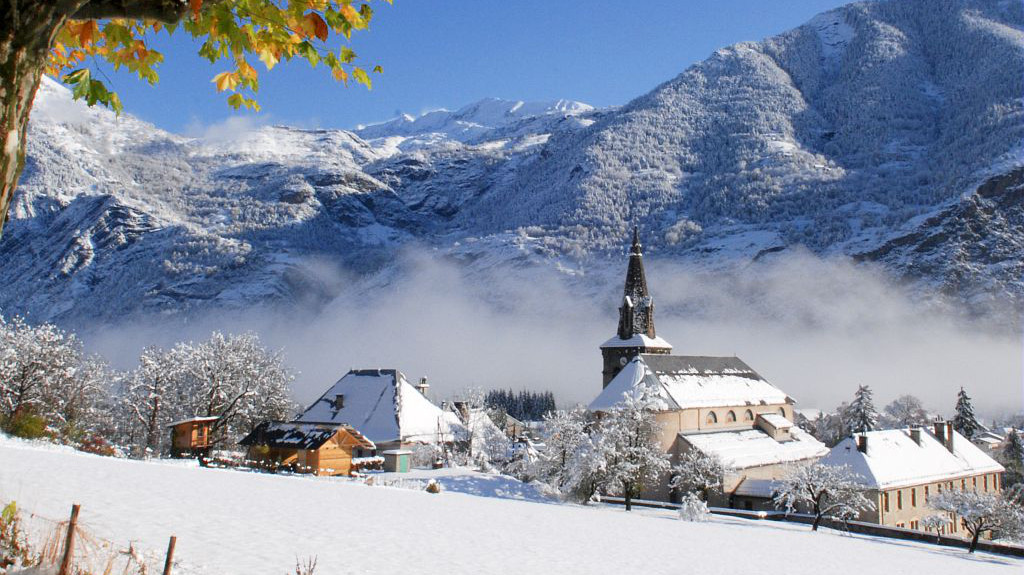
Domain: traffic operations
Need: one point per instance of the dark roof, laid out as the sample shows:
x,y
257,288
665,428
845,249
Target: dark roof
x,y
285,435
698,364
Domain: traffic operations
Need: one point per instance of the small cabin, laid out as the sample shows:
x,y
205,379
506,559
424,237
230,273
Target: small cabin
x,y
191,437
319,449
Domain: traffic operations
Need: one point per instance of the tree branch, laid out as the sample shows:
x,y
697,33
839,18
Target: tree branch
x,y
167,11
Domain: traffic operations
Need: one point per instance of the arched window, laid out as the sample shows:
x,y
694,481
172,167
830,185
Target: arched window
x,y
748,416
712,418
782,411
730,417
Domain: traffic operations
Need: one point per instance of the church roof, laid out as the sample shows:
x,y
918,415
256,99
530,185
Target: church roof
x,y
894,459
747,448
384,406
685,381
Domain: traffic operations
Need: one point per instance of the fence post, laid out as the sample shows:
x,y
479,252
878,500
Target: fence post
x,y
170,555
69,543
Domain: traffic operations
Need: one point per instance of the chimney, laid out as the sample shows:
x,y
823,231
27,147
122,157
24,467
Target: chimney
x,y
949,436
339,401
940,431
862,443
915,434
423,386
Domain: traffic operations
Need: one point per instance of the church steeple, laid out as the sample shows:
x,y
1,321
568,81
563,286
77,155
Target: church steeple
x,y
636,333
636,315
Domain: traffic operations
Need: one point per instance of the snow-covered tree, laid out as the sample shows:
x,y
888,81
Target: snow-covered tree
x,y
980,512
824,491
45,374
697,472
629,440
964,421
1012,458
861,416
936,522
829,428
905,411
234,378
693,508
564,433
149,398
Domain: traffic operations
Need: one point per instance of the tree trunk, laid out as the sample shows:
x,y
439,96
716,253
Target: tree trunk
x,y
152,438
27,32
974,541
628,492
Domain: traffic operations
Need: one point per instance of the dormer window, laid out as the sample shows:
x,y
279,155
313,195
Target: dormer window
x,y
339,401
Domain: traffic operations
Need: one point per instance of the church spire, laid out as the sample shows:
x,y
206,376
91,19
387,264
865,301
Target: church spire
x,y
636,316
636,319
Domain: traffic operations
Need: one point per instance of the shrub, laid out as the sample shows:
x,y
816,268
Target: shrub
x,y
97,445
26,425
433,486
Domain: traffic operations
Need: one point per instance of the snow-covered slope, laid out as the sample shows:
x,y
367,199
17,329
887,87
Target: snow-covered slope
x,y
230,522
876,131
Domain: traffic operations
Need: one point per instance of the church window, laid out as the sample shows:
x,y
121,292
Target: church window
x,y
899,499
748,416
731,416
712,418
913,497
782,411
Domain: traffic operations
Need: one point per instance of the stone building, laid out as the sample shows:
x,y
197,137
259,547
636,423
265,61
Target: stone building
x,y
718,405
902,468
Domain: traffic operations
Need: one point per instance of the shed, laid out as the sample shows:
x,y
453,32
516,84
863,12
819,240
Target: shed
x,y
320,449
397,460
191,437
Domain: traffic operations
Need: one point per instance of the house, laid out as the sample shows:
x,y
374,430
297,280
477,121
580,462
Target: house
x,y
385,408
902,468
718,405
191,437
319,449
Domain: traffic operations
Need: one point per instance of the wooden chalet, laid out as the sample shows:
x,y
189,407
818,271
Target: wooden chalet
x,y
191,437
320,449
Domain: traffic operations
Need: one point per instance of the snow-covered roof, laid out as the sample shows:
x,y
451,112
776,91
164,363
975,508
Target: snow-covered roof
x,y
192,420
753,447
763,488
894,459
384,406
685,381
293,435
775,420
638,340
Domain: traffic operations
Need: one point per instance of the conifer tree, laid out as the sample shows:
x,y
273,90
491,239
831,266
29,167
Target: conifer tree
x,y
964,420
861,416
1012,458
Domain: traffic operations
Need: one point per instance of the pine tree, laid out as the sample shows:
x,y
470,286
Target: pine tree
x,y
861,416
964,420
1012,458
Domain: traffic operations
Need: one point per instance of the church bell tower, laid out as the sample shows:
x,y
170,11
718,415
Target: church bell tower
x,y
636,319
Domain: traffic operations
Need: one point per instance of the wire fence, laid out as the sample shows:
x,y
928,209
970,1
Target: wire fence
x,y
31,540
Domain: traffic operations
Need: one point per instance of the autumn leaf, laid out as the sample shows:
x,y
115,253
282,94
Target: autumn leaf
x,y
225,81
318,26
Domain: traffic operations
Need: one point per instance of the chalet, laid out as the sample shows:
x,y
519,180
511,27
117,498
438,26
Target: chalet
x,y
718,405
191,437
307,447
385,408
901,468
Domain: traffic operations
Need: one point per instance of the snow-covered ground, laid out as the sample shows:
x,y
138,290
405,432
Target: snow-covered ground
x,y
231,522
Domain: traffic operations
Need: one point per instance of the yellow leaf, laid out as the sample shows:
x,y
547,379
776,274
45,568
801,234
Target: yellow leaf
x,y
269,58
225,81
340,75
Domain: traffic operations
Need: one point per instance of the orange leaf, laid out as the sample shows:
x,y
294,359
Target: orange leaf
x,y
318,25
225,81
351,15
195,6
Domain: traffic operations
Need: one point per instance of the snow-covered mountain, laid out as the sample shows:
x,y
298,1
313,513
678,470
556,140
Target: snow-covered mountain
x,y
884,131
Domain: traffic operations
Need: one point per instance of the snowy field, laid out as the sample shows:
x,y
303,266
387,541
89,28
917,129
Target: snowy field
x,y
231,522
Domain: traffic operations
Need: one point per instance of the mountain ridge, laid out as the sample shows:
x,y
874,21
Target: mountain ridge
x,y
873,122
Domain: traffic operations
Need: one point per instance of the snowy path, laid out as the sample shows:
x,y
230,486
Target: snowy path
x,y
230,522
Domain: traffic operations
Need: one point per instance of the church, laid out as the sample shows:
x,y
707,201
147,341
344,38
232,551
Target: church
x,y
718,405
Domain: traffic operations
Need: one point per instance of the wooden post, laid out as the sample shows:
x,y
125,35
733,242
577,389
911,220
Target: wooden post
x,y
69,543
170,555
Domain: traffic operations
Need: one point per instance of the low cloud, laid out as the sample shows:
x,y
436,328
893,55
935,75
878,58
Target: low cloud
x,y
816,328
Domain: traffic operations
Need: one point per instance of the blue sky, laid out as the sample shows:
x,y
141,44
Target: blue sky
x,y
448,53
